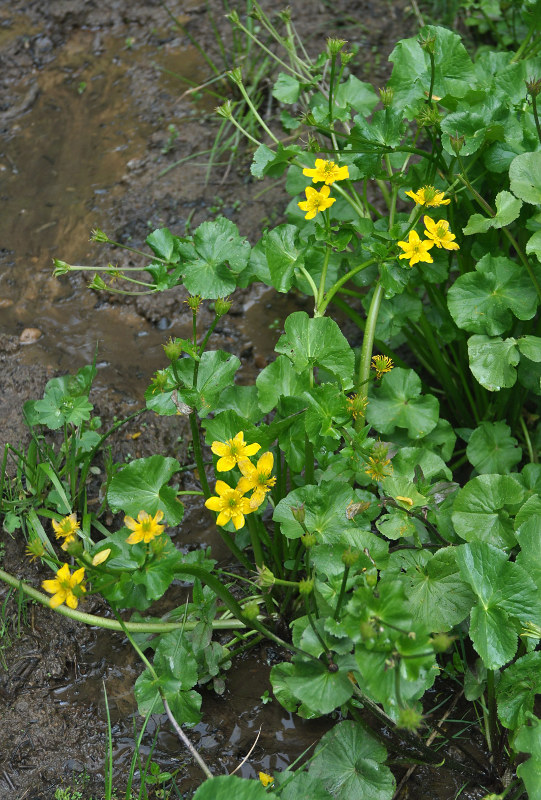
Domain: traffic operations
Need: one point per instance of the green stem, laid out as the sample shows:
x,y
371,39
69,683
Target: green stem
x,y
254,111
536,115
339,283
491,707
532,456
342,592
368,341
323,278
111,624
198,455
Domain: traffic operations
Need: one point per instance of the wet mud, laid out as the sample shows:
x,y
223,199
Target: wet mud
x,y
88,105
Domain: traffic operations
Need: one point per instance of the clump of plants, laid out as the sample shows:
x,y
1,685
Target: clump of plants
x,y
381,496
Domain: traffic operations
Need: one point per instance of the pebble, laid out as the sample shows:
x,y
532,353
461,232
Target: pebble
x,y
30,335
5,302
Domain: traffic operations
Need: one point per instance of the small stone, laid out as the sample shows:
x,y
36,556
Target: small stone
x,y
30,335
5,302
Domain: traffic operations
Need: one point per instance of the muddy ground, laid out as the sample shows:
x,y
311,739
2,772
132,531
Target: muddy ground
x,y
91,117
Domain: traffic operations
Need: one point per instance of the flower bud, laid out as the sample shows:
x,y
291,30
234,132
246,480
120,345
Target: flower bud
x,y
251,610
173,349
298,513
428,44
306,586
97,235
533,85
194,302
225,110
457,143
100,557
349,558
159,380
441,642
367,631
60,267
371,577
235,75
409,718
265,578
309,539
222,306
386,96
97,283
335,45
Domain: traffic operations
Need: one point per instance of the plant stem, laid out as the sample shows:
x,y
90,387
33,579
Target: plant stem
x,y
111,624
368,341
532,456
342,592
339,283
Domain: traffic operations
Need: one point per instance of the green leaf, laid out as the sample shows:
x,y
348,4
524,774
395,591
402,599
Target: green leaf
x,y
385,130
492,449
505,592
481,509
226,787
493,361
279,379
507,210
525,177
481,301
530,346
410,79
282,255
517,689
528,740
174,656
398,403
273,162
317,687
438,596
533,245
242,400
142,485
349,763
286,89
162,243
216,373
326,413
325,512
317,342
213,258
357,94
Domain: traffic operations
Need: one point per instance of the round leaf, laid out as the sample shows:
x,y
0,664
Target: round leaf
x,y
397,403
349,763
480,513
492,449
525,177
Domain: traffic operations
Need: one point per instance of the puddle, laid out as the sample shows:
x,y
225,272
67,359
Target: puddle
x,y
61,170
231,722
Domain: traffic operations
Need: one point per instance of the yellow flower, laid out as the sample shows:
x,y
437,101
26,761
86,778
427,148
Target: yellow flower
x,y
35,549
326,171
415,249
145,528
232,451
67,529
429,196
265,779
316,201
257,478
66,588
100,557
230,505
407,500
381,364
378,469
440,234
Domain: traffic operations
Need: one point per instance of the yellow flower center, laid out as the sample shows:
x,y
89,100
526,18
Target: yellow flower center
x,y
441,231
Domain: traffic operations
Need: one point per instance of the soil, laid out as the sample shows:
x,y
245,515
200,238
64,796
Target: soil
x,y
91,118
